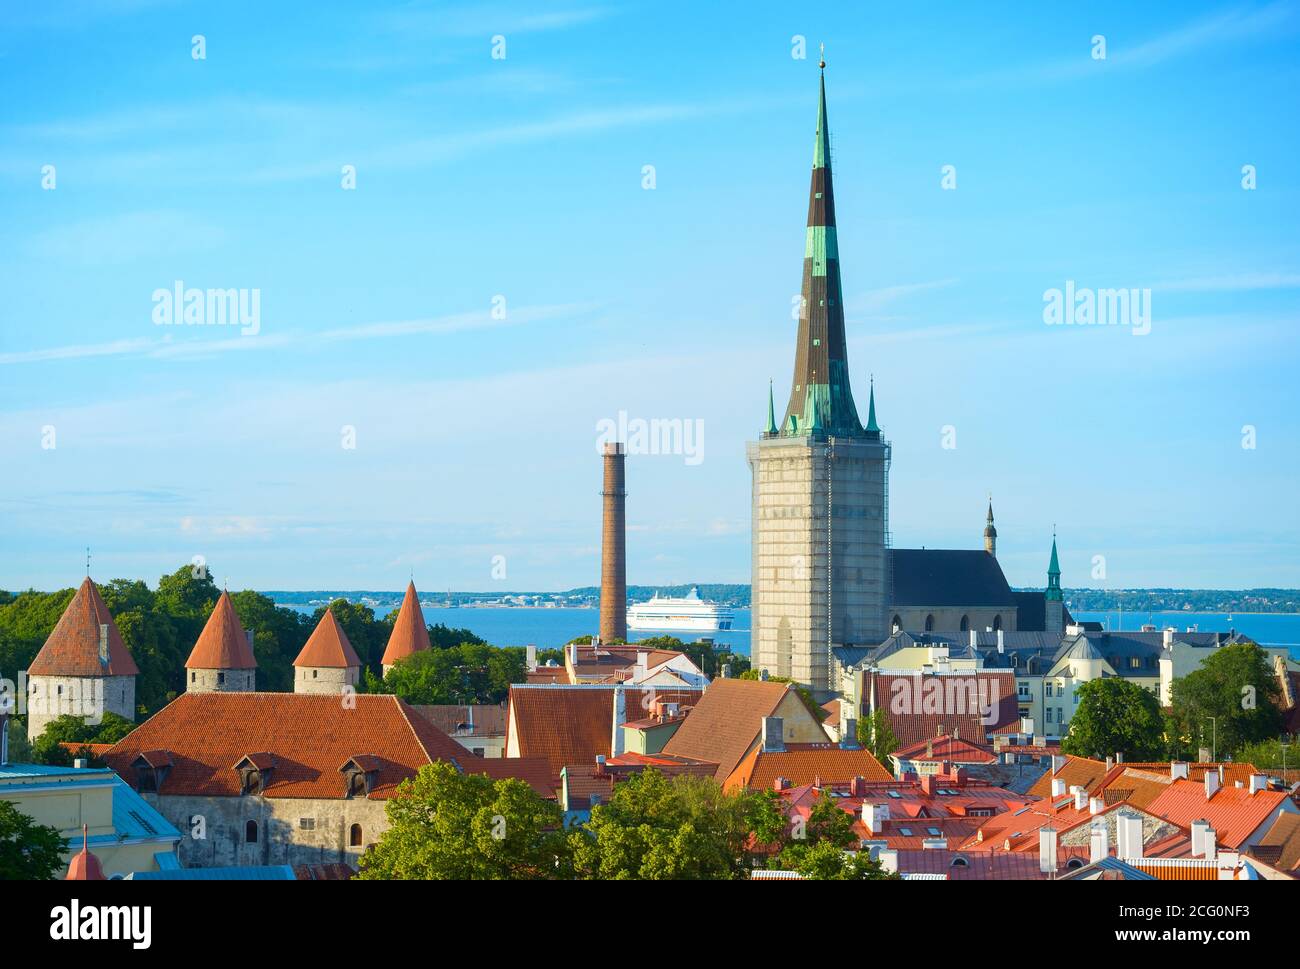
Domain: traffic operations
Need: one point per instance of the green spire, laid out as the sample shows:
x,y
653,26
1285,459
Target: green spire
x,y
771,410
822,146
1053,575
872,426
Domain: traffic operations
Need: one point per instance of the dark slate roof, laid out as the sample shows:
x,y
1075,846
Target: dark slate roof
x,y
948,577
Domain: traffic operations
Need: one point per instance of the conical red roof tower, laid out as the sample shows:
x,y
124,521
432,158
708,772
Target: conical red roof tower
x,y
74,647
328,646
410,634
223,644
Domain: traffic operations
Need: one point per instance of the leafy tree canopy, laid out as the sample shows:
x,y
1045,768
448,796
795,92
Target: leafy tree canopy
x,y
1116,716
28,851
1236,686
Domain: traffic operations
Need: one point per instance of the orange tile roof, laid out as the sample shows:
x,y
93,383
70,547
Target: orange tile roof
x,y
1280,846
572,724
727,722
548,674
804,764
72,649
309,736
908,699
328,646
947,748
222,645
1234,812
410,635
1076,772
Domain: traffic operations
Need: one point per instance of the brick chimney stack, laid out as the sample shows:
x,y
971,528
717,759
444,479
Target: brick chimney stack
x,y
613,555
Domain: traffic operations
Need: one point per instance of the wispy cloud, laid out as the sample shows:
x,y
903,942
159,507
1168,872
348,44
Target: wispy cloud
x,y
1240,282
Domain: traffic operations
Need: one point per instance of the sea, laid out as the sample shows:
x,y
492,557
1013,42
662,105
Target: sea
x,y
552,628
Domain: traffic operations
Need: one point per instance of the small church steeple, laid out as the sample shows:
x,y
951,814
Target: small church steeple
x,y
1055,606
990,532
771,411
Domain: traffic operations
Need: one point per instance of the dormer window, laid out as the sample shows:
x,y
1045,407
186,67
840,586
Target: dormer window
x,y
360,774
255,772
151,769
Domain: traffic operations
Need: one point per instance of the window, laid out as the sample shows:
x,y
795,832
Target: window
x,y
354,836
1047,714
905,832
194,677
315,673
935,832
250,833
221,677
965,623
896,624
997,623
929,624
307,824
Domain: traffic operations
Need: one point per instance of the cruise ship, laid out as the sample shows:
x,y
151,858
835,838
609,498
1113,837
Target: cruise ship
x,y
688,613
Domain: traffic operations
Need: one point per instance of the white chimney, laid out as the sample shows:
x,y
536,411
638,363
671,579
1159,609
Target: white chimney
x,y
1128,835
1058,787
1110,764
530,657
1047,850
1080,798
1099,842
642,665
1168,638
888,859
573,654
1178,770
773,741
1258,782
620,718
1203,838
974,639
1002,642
1096,805
874,816
1211,783
1057,762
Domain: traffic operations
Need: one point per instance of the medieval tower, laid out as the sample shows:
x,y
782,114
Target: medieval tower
x,y
820,480
222,659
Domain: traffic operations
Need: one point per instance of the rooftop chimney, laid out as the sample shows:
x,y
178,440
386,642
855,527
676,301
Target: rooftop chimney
x,y
1110,764
874,816
936,844
1178,770
1096,805
1057,762
1119,756
613,549
1203,838
888,859
642,665
530,657
726,671
1128,835
1058,787
1211,783
773,741
858,786
1258,782
974,639
1168,638
620,718
1099,841
1002,642
1080,798
1047,850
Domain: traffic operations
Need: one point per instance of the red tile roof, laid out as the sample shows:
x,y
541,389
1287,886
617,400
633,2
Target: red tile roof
x,y
458,720
410,635
1076,772
534,771
946,748
72,649
328,646
921,706
311,737
727,722
223,644
1280,846
804,764
572,724
1234,812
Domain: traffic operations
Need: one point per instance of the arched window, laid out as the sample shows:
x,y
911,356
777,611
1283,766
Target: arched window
x,y
250,832
965,623
354,836
929,624
1074,863
896,624
997,623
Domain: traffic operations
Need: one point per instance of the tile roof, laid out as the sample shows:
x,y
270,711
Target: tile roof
x,y
571,724
328,646
970,866
548,674
726,722
223,644
1280,846
804,764
1234,812
72,649
1076,772
487,719
536,772
947,748
923,706
310,737
410,635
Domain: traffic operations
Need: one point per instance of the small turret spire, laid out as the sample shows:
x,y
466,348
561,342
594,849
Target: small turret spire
x,y
1053,573
771,410
872,426
990,532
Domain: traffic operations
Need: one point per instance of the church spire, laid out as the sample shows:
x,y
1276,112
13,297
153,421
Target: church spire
x,y
820,396
873,429
990,532
1054,574
771,410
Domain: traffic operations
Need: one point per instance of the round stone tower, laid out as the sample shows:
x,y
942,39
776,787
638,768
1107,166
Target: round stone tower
x,y
222,659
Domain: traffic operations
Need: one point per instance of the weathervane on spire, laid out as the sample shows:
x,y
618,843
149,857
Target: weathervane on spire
x,y
823,58
87,561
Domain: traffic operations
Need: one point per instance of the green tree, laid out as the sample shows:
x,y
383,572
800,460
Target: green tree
x,y
1236,686
468,673
876,734
28,851
660,828
447,825
826,861
1270,755
73,729
1115,716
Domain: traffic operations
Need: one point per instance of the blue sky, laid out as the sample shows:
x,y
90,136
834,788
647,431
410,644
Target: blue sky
x,y
481,177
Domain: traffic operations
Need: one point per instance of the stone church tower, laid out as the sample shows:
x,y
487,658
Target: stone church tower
x,y
1055,615
990,533
820,480
84,668
222,659
327,663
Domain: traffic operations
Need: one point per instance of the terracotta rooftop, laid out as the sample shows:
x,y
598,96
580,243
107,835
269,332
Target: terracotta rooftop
x,y
410,635
726,722
1280,846
456,720
328,646
1234,812
72,649
946,748
571,724
1075,771
223,644
309,738
909,700
804,764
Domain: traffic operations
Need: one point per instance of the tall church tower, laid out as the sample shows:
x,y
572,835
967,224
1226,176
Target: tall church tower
x,y
1055,616
820,480
990,533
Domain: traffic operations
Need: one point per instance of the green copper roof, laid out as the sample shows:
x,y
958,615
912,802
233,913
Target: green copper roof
x,y
1053,593
1054,567
822,145
872,426
771,410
